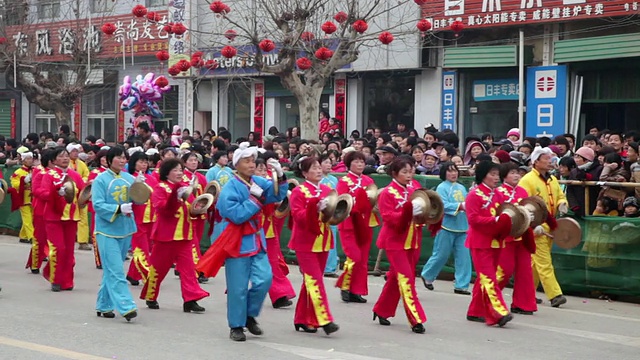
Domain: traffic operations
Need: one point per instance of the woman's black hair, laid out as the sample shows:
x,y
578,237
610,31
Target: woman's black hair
x,y
400,163
613,158
261,161
169,165
350,157
113,152
186,156
609,204
506,168
268,155
45,157
57,151
446,166
304,166
568,162
138,155
416,148
324,156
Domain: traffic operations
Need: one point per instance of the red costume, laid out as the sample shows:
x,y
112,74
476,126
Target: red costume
x,y
96,253
356,234
311,239
145,216
400,237
172,236
515,259
62,226
486,240
39,247
198,221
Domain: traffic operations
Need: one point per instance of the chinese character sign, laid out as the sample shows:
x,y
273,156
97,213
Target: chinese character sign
x,y
493,90
449,84
486,13
546,101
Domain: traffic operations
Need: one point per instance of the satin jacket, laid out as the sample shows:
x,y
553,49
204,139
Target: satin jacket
x,y
173,222
399,231
108,191
37,200
547,188
224,175
453,195
512,195
309,233
81,168
146,213
201,183
23,189
57,208
92,176
481,206
362,209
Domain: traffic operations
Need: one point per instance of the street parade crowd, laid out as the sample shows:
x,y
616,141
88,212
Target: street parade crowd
x,y
145,200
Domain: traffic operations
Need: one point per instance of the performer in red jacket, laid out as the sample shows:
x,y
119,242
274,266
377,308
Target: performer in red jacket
x,y
199,181
101,158
62,221
39,246
356,231
515,258
485,239
400,237
311,239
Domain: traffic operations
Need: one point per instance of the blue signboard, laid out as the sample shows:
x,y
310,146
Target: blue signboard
x,y
546,101
496,89
449,89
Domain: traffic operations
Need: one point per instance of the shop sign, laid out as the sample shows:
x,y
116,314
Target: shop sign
x,y
546,101
449,89
340,98
258,112
492,13
495,90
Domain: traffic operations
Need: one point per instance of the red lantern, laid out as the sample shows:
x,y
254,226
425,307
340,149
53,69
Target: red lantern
x,y
457,27
153,16
197,62
423,25
226,10
324,54
211,64
420,2
173,71
179,29
385,37
3,40
360,26
303,63
183,65
161,81
230,34
329,27
267,45
229,51
217,7
341,17
197,54
139,11
307,36
162,55
109,28
168,28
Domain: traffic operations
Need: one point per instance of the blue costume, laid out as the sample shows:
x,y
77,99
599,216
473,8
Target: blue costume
x,y
212,173
223,175
237,206
452,237
332,260
113,232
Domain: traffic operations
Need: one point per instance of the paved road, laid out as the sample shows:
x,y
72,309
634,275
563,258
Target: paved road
x,y
38,324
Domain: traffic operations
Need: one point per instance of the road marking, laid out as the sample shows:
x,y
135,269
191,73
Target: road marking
x,y
610,338
68,354
315,354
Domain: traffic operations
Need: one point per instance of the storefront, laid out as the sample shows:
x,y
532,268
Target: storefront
x,y
389,99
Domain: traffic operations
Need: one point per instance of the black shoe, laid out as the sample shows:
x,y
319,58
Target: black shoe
x,y
305,328
357,298
35,271
381,320
152,304
192,306
25,241
203,279
344,294
133,281
330,328
237,334
504,320
108,314
475,318
385,277
331,275
461,291
68,289
130,315
176,272
55,288
45,259
418,329
99,267
517,310
282,302
538,301
252,326
558,300
427,285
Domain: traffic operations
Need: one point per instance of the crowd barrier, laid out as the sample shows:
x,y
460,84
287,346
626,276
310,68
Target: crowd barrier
x,y
607,259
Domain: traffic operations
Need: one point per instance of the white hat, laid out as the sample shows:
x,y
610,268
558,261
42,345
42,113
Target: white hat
x,y
539,151
347,150
245,151
106,147
151,151
22,149
133,150
26,155
74,146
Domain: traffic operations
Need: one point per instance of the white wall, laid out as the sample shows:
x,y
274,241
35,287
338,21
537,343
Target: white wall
x,y
428,99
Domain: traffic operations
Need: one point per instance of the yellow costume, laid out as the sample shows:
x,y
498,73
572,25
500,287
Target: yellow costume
x,y
83,226
24,191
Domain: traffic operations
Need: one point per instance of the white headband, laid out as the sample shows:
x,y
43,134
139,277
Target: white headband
x,y
539,151
245,151
27,154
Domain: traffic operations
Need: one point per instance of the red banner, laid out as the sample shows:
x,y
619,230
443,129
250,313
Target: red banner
x,y
490,13
258,113
121,135
14,119
340,98
77,117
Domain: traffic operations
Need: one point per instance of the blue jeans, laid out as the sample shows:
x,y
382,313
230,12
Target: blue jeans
x,y
444,244
332,259
114,291
243,301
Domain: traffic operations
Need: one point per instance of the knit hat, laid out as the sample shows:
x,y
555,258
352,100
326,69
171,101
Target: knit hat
x,y
539,151
631,201
555,149
503,156
514,132
517,157
176,129
483,168
586,153
431,153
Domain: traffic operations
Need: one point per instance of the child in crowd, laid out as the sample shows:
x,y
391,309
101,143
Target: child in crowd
x,y
606,206
631,207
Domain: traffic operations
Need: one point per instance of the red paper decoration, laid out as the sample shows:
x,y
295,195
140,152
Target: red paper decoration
x,y
420,2
197,54
457,26
211,64
183,65
307,36
197,62
168,28
423,25
217,7
229,51
227,9
139,11
109,28
385,37
341,17
153,16
161,81
173,71
267,45
360,26
162,55
179,29
324,54
303,63
329,27
3,40
230,34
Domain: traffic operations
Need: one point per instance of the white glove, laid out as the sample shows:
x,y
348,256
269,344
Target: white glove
x,y
417,208
27,179
140,177
256,190
126,208
61,191
531,217
275,166
194,180
539,230
563,208
181,191
322,204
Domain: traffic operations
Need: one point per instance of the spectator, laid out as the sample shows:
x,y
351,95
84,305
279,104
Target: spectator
x,y
631,207
587,169
592,142
429,164
616,141
474,148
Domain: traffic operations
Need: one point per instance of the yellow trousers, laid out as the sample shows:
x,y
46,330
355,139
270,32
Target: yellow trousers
x,y
83,227
26,231
543,267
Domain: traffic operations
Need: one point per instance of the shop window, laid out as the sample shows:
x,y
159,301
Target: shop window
x,y
13,12
100,101
48,9
102,127
102,6
239,98
169,107
388,101
45,121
